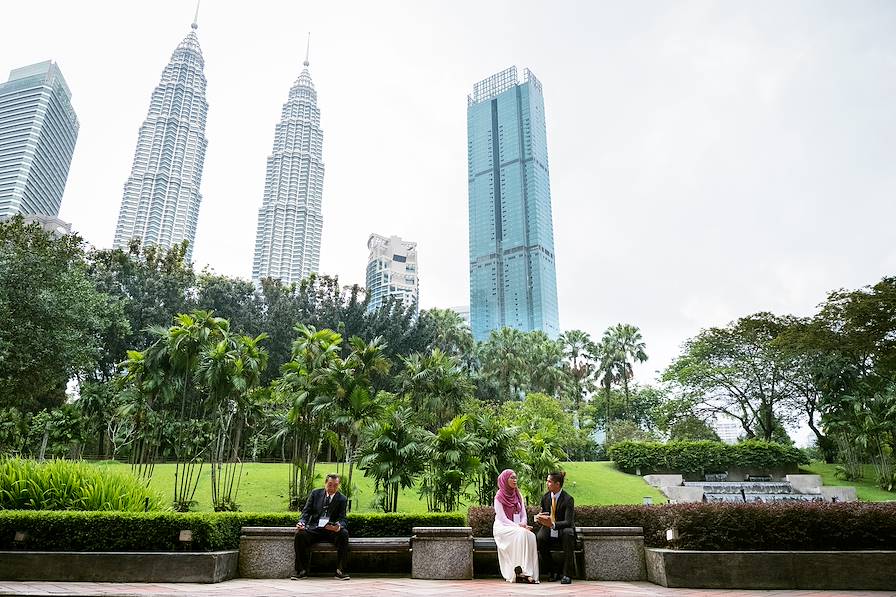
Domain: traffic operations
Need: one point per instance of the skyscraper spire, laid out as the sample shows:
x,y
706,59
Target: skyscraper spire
x,y
195,24
160,203
290,220
307,50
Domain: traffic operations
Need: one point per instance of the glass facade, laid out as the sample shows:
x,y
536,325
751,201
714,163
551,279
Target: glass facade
x,y
160,204
38,131
290,222
513,280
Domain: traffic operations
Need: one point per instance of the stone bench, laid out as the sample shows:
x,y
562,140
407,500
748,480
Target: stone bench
x,y
269,552
602,553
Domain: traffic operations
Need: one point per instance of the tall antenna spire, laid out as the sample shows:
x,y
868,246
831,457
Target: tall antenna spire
x,y
307,50
195,23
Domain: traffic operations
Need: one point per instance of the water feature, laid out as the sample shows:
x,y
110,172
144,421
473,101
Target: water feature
x,y
750,491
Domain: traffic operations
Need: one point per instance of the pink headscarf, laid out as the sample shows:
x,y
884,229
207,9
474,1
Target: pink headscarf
x,y
510,498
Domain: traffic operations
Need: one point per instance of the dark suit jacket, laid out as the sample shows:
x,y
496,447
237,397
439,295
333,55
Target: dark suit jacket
x,y
565,516
314,507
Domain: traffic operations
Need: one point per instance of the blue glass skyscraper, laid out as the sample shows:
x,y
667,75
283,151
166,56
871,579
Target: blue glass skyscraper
x,y
513,281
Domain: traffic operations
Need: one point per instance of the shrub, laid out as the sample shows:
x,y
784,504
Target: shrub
x,y
703,456
159,531
71,485
811,526
794,526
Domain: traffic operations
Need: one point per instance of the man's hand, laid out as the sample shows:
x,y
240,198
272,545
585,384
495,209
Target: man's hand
x,y
300,526
332,527
544,519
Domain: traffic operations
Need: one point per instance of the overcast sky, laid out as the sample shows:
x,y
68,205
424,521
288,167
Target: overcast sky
x,y
708,159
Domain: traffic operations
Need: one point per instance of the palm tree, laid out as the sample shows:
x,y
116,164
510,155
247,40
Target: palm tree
x,y
579,351
499,447
392,453
230,370
356,402
627,347
451,334
309,380
452,465
436,385
504,363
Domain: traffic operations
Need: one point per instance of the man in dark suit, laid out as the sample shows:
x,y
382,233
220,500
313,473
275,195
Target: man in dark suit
x,y
323,519
558,526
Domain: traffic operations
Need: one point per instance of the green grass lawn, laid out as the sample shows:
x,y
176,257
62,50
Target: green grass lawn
x,y
866,489
264,487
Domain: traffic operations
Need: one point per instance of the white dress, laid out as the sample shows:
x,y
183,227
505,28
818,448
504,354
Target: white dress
x,y
516,544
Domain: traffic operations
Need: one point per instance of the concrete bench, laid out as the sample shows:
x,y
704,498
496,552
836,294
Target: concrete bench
x,y
269,552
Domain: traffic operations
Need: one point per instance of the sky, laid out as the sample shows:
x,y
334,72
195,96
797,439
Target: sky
x,y
708,160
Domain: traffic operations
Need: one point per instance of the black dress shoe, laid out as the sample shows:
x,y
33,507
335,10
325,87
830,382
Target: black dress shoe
x,y
298,575
565,581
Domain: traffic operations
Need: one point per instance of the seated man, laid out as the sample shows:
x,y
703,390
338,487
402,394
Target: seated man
x,y
558,525
323,519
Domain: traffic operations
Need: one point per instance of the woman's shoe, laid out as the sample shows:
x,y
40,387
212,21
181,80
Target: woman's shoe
x,y
518,572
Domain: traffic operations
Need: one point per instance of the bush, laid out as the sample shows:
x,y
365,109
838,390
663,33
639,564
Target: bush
x,y
159,531
71,485
784,526
703,456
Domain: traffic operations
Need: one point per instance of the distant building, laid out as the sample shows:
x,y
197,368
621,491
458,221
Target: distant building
x,y
38,131
290,220
729,431
54,226
160,203
513,281
392,271
463,311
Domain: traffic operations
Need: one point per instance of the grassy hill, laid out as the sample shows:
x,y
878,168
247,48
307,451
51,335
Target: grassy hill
x,y
264,487
866,489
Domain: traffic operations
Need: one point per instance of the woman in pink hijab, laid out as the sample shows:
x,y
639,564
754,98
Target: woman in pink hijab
x,y
517,551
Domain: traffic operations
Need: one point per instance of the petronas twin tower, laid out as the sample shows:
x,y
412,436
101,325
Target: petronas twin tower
x,y
160,205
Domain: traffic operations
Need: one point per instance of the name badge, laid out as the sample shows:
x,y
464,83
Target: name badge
x,y
323,521
555,533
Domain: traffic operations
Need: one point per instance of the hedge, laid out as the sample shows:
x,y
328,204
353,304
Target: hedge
x,y
790,526
159,531
703,456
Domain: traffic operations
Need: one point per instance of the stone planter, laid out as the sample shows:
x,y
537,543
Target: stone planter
x,y
442,553
827,570
114,566
613,553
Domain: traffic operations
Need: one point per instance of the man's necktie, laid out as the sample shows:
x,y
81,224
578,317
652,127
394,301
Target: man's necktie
x,y
326,503
553,508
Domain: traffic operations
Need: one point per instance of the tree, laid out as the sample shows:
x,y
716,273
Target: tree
x,y
150,286
238,301
308,381
52,318
392,453
356,401
452,465
435,385
499,448
450,334
737,371
579,351
230,370
624,347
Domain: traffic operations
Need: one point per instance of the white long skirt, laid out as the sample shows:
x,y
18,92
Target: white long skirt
x,y
516,547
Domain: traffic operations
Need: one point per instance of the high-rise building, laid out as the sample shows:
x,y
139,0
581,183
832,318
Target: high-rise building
x,y
160,205
290,222
392,271
513,282
38,131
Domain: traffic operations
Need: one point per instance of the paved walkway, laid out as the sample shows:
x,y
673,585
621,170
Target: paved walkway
x,y
390,586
